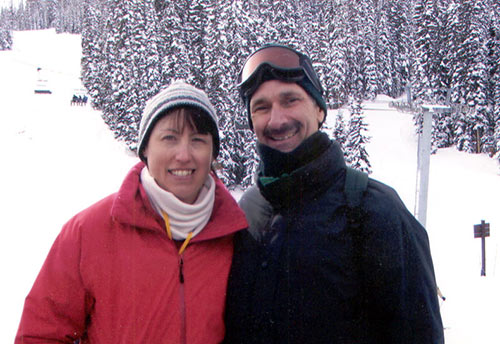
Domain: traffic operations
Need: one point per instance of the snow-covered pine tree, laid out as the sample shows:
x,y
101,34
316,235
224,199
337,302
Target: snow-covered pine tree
x,y
335,33
492,66
339,132
6,18
248,30
497,131
355,146
220,84
335,80
171,43
443,80
230,36
443,133
470,74
93,54
496,75
335,85
315,20
382,48
308,24
369,39
68,16
428,41
354,52
198,52
398,18
35,18
360,58
5,38
7,24
370,82
431,78
263,15
133,65
284,19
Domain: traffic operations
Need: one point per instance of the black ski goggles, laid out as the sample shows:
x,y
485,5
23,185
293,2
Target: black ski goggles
x,y
281,62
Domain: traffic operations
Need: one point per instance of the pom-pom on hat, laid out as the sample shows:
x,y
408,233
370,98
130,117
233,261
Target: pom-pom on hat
x,y
177,94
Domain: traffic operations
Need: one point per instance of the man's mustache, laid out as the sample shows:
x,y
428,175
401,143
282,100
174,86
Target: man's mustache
x,y
283,129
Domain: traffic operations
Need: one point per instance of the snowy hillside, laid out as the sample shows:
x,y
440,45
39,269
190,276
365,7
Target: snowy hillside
x,y
58,159
463,190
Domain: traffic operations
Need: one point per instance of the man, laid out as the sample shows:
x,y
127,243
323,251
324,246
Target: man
x,y
310,269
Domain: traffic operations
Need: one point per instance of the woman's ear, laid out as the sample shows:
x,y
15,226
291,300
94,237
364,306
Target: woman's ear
x,y
216,166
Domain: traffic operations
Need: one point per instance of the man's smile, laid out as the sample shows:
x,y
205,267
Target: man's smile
x,y
285,132
284,136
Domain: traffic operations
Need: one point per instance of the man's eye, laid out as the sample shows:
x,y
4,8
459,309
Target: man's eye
x,y
260,108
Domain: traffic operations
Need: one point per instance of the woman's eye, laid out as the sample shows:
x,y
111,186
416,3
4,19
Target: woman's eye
x,y
199,139
169,138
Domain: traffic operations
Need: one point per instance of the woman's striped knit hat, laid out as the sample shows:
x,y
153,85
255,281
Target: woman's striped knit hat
x,y
178,94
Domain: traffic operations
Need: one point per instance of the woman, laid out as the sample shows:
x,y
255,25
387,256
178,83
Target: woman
x,y
148,264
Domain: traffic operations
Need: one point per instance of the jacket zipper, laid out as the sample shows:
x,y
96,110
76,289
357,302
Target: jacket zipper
x,y
182,300
182,297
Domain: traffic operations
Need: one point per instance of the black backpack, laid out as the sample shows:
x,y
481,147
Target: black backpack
x,y
355,186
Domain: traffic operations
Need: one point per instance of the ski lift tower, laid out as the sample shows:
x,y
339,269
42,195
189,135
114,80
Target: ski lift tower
x,y
423,161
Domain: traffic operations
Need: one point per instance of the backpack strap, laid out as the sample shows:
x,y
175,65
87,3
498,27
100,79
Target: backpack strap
x,y
355,186
356,183
258,210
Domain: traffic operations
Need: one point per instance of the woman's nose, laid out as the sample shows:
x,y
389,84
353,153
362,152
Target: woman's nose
x,y
183,151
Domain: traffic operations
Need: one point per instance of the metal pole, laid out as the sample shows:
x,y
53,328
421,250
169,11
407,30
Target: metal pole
x,y
408,93
424,157
483,246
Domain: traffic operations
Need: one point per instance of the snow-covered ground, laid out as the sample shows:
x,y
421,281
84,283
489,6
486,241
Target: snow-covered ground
x,y
61,158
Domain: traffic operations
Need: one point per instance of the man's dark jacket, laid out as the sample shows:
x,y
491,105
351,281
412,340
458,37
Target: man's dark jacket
x,y
304,275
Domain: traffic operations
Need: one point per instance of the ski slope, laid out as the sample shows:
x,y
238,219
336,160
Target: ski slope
x,y
58,159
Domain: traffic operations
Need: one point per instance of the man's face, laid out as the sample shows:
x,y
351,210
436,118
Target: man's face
x,y
283,115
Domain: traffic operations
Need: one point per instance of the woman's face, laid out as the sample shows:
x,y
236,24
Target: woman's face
x,y
178,157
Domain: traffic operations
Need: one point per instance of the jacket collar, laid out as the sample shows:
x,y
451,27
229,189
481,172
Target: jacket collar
x,y
132,207
311,177
275,163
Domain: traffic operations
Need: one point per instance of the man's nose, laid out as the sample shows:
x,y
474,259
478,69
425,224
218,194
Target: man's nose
x,y
277,118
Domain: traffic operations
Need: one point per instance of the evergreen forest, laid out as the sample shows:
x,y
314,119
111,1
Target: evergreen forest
x,y
422,51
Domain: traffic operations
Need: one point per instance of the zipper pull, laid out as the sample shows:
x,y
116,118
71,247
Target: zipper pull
x,y
181,273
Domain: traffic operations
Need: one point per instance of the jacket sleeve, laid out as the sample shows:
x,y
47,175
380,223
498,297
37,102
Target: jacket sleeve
x,y
398,272
258,211
56,307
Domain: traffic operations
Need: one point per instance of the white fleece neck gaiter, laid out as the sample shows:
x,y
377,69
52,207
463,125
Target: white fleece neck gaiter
x,y
183,217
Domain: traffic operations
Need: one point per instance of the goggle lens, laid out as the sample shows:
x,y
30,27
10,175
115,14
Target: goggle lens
x,y
279,57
